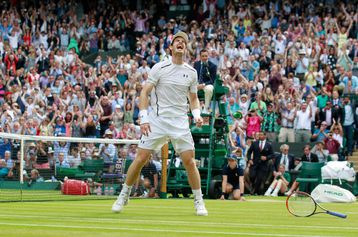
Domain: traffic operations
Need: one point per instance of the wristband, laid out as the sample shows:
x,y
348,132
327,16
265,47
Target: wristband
x,y
143,115
223,193
196,113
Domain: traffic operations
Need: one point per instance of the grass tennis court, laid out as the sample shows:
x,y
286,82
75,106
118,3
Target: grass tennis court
x,y
259,216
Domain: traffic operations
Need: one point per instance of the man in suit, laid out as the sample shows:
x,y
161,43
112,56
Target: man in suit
x,y
327,114
348,118
308,155
258,155
353,53
283,158
206,71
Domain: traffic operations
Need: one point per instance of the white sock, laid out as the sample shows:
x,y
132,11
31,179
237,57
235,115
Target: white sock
x,y
197,194
277,189
269,190
126,189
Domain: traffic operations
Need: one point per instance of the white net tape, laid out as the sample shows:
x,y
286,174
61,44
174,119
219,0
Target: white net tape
x,y
66,139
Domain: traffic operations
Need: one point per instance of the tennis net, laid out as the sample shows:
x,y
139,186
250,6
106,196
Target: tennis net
x,y
34,168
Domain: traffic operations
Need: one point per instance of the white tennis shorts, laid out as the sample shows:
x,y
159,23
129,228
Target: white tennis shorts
x,y
163,129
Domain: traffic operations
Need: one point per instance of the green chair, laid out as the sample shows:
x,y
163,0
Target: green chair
x,y
69,172
310,175
73,173
95,166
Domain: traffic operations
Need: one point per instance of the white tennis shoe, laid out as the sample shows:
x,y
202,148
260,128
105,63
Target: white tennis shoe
x,y
121,201
200,208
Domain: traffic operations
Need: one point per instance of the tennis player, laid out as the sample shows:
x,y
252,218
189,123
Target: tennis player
x,y
171,83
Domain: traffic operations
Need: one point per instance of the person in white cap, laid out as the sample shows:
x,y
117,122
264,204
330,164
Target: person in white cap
x,y
301,64
171,83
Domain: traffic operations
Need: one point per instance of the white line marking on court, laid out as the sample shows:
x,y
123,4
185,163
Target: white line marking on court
x,y
140,207
178,223
156,230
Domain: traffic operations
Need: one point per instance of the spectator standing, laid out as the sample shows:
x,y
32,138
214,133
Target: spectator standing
x,y
269,124
303,124
287,132
348,123
320,133
258,155
337,133
108,151
106,114
258,104
327,114
301,65
253,121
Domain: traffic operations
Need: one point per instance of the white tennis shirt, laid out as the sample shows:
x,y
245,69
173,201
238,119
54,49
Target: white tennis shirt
x,y
172,84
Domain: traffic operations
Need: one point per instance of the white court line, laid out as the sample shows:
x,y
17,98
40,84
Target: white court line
x,y
156,230
177,223
149,206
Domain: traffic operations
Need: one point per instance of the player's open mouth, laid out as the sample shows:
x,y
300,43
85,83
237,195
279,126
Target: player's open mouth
x,y
179,47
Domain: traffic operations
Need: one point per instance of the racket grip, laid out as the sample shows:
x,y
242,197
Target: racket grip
x,y
337,214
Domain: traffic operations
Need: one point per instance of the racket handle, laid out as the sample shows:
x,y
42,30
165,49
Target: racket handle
x,y
337,214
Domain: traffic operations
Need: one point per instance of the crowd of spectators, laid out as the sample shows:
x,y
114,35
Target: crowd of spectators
x,y
291,67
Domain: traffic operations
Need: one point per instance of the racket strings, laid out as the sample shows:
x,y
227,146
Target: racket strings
x,y
301,205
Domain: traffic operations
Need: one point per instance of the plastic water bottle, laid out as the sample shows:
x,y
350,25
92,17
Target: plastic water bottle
x,y
106,191
111,191
202,162
99,191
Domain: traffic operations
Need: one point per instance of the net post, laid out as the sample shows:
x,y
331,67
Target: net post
x,y
21,173
163,181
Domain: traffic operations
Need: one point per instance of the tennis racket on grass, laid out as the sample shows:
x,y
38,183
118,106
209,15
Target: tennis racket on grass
x,y
301,204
